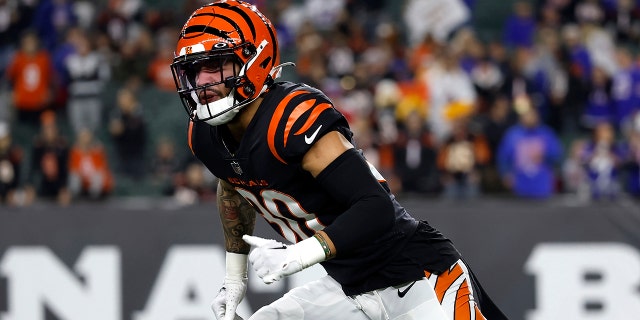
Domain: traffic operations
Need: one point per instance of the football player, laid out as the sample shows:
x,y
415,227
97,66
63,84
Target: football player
x,y
282,150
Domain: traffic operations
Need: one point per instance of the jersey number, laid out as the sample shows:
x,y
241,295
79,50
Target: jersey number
x,y
296,224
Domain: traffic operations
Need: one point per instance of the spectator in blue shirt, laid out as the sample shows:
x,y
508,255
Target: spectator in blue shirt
x,y
580,61
602,159
520,27
527,157
626,100
632,163
52,18
599,107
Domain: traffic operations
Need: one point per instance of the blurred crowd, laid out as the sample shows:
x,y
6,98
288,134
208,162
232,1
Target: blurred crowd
x,y
547,105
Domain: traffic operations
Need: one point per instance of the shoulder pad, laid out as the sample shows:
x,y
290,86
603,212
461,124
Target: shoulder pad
x,y
299,120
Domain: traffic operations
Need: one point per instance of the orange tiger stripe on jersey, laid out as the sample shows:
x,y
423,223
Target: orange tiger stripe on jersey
x,y
295,115
463,304
189,136
465,307
446,280
461,310
312,118
273,124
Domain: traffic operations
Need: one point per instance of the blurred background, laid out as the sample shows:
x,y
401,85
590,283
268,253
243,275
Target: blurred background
x,y
513,126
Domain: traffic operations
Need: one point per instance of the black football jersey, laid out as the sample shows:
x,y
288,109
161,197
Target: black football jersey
x,y
265,168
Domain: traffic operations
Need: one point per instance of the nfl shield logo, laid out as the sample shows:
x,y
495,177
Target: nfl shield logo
x,y
236,167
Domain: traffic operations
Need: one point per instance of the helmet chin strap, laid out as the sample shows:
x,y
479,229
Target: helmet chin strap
x,y
220,111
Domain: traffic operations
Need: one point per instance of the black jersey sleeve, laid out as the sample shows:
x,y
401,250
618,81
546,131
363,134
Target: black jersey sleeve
x,y
301,117
370,212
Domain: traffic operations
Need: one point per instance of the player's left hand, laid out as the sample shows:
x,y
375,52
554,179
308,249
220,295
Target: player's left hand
x,y
273,260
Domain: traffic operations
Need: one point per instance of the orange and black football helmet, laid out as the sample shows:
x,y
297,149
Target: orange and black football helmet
x,y
223,31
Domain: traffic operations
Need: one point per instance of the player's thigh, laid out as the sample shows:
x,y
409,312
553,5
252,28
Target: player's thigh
x,y
317,300
454,291
411,301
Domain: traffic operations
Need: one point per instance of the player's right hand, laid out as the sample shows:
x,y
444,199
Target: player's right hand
x,y
224,305
272,260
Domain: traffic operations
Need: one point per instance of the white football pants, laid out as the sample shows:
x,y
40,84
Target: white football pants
x,y
323,299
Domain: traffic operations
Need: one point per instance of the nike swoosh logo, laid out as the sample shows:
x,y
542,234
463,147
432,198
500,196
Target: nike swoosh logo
x,y
402,293
310,139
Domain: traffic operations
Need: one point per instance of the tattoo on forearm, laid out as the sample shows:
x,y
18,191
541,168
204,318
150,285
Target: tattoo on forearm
x,y
237,216
231,210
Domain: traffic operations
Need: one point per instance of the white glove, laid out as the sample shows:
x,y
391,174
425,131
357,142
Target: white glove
x,y
233,289
273,260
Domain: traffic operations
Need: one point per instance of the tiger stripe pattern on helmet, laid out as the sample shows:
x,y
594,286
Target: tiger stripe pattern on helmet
x,y
228,28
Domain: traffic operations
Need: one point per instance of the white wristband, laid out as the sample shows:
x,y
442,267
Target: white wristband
x,y
236,266
309,252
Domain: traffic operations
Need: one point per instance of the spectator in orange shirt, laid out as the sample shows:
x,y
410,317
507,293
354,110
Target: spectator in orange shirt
x,y
89,172
31,75
159,72
422,56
